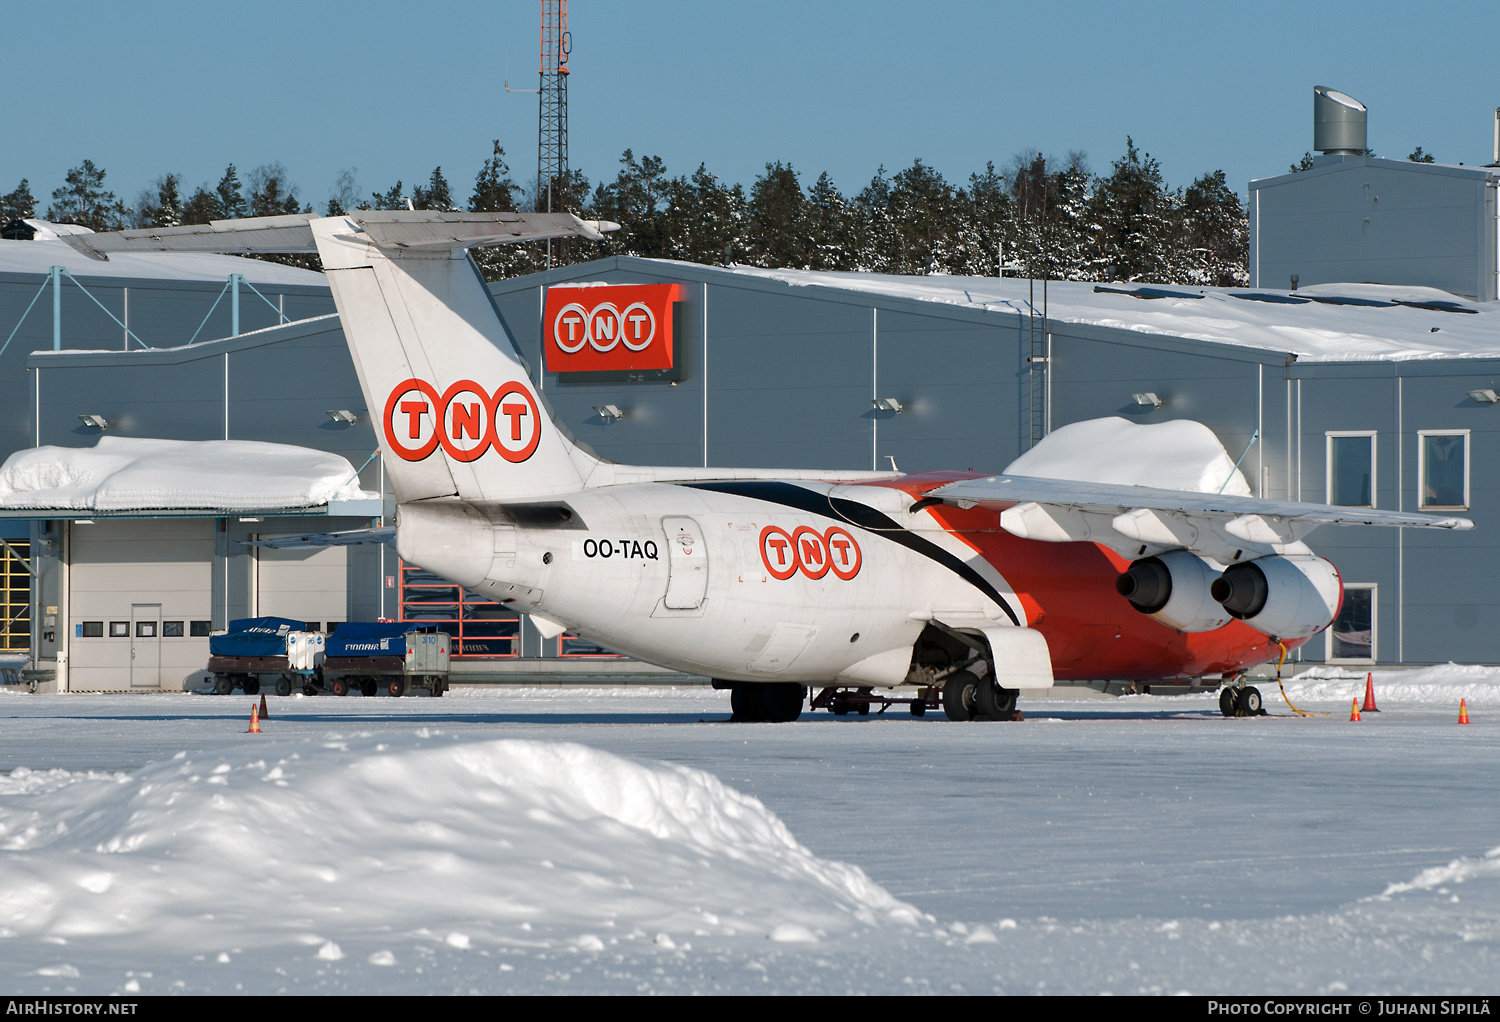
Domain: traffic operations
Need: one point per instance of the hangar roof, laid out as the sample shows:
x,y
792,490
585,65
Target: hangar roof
x,y
1321,323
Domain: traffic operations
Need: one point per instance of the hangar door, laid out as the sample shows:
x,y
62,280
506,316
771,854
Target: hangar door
x,y
139,602
302,583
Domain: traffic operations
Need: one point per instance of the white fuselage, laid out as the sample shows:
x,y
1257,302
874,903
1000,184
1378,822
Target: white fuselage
x,y
691,579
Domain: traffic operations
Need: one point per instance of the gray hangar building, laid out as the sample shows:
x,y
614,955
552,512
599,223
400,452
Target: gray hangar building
x,y
1380,394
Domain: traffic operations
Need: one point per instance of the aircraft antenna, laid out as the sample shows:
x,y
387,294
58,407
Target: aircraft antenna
x,y
552,110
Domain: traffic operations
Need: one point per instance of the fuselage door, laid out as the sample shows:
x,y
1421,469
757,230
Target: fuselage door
x,y
687,564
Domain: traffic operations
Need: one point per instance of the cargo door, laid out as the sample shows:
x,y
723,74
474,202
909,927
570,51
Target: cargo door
x,y
145,645
687,564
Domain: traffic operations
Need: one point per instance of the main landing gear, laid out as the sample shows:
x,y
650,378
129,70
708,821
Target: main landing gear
x,y
1240,700
768,701
968,697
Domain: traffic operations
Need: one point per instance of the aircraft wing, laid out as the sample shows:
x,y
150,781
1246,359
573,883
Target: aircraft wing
x,y
393,229
1140,520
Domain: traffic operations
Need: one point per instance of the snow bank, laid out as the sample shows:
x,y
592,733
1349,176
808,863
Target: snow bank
x,y
1177,455
129,473
1442,685
318,847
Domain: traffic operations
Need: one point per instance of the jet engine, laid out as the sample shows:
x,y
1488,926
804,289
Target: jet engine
x,y
1290,597
1174,589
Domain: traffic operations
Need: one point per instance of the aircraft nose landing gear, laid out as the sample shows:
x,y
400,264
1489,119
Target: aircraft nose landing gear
x,y
1240,701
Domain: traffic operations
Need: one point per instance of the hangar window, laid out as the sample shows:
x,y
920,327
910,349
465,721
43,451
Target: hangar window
x,y
171,629
1351,468
119,629
145,629
1351,637
92,630
199,629
1443,467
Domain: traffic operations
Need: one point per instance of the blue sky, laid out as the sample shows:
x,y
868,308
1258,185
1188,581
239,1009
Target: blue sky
x,y
394,89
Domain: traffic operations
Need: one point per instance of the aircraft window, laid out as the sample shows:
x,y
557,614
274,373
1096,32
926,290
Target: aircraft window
x,y
1443,467
1351,637
1351,469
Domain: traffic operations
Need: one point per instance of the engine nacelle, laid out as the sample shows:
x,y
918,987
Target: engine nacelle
x,y
1290,597
1175,590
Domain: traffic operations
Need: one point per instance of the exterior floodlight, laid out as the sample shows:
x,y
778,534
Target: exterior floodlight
x,y
96,421
1487,396
887,404
343,415
1148,399
252,519
609,412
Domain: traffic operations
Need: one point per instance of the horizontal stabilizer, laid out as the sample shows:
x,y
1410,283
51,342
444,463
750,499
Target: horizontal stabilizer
x,y
392,230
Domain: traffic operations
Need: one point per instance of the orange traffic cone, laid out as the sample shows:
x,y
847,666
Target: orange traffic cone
x,y
1463,712
1369,706
1354,709
254,720
265,714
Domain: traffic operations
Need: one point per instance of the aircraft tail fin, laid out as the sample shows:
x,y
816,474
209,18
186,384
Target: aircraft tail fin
x,y
454,410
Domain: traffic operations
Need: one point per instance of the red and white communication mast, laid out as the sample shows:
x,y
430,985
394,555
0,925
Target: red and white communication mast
x,y
552,113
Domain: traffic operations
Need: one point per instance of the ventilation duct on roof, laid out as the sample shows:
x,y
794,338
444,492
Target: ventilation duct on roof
x,y
1339,123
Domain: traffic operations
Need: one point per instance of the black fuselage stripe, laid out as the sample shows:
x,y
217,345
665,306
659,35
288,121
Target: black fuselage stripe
x,y
861,516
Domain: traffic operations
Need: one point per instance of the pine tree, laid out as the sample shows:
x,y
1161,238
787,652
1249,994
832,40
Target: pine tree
x,y
831,226
201,207
703,217
1216,234
1306,163
494,191
436,195
776,235
391,199
85,201
270,192
161,205
231,200
1137,218
1418,156
635,200
19,204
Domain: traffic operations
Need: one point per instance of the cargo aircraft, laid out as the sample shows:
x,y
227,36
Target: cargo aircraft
x,y
770,581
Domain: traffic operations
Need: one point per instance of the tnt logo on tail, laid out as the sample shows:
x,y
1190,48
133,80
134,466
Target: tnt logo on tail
x,y
465,421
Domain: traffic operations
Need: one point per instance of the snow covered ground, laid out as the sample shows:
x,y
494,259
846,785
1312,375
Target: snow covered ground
x,y
612,840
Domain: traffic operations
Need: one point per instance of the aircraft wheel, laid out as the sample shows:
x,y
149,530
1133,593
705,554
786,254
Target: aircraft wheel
x,y
251,686
1250,702
283,686
339,687
958,696
994,702
783,702
746,700
1228,701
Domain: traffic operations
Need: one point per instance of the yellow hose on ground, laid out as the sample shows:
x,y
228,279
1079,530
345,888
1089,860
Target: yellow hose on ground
x,y
1279,663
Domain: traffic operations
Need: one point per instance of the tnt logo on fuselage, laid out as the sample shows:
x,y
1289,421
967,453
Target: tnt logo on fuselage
x,y
809,551
465,421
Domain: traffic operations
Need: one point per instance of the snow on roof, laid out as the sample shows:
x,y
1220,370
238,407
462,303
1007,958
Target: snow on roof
x,y
41,253
1176,455
133,474
1320,323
